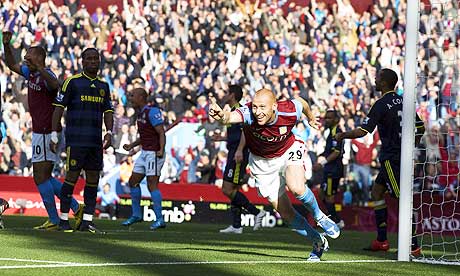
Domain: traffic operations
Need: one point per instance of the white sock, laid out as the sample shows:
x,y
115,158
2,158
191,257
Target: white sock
x,y
87,217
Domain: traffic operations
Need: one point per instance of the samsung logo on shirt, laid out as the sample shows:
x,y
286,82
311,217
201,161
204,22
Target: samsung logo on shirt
x,y
94,99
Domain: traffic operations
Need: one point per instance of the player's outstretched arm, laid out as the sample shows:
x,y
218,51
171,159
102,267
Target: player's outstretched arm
x,y
223,116
306,110
9,58
352,134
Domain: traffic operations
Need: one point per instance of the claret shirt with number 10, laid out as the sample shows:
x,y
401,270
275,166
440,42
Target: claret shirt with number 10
x,y
40,99
274,139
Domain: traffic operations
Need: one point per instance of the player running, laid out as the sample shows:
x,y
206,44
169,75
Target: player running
x,y
274,150
237,161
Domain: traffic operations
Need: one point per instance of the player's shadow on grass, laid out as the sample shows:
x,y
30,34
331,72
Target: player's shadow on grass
x,y
94,248
237,251
193,243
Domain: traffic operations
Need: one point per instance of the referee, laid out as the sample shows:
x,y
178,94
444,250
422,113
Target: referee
x,y
87,99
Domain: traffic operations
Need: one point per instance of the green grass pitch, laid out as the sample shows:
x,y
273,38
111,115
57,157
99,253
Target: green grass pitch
x,y
190,249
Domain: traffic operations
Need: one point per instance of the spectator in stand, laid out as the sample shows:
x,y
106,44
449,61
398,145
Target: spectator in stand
x,y
187,166
183,51
121,139
109,161
364,155
126,169
108,201
449,167
5,157
205,170
18,160
119,119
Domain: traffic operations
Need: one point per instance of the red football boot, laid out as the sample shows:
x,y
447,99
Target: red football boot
x,y
416,252
380,246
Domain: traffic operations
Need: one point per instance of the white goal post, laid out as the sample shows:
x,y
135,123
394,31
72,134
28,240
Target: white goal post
x,y
430,174
408,128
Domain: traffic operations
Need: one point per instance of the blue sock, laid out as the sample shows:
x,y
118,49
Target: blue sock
x,y
57,186
136,201
47,194
309,201
156,199
300,223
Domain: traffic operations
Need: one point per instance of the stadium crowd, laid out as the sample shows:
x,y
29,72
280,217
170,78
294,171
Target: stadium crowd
x,y
183,52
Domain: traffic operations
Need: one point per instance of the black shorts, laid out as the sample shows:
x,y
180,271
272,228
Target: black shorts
x,y
86,158
389,176
330,185
236,171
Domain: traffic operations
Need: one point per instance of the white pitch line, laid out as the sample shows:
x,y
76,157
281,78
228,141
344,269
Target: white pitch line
x,y
34,261
108,231
189,263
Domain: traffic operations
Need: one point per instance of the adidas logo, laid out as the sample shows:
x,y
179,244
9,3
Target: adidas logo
x,y
93,85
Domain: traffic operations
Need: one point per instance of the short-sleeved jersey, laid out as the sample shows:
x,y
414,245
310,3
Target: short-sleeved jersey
x,y
147,120
334,168
234,133
386,114
40,99
86,100
271,140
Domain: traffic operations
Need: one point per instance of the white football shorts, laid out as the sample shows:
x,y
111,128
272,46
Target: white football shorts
x,y
148,163
269,172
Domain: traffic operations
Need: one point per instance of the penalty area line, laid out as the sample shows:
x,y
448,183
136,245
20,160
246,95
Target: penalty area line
x,y
58,265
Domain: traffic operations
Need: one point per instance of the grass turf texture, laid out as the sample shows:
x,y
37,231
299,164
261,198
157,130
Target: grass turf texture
x,y
169,252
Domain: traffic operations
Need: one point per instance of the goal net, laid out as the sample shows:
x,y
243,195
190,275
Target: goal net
x,y
436,197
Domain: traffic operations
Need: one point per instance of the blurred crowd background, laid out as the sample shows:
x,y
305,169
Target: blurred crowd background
x,y
183,52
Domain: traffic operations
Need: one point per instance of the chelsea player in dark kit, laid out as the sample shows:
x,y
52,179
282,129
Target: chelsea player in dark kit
x,y
87,99
331,161
386,115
